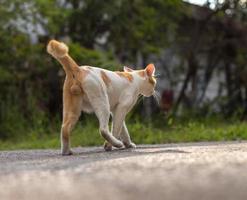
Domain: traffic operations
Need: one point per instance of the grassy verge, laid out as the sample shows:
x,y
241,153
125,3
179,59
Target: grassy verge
x,y
88,135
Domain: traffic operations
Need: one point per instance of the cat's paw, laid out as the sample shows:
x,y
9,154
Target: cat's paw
x,y
130,145
67,152
107,146
119,144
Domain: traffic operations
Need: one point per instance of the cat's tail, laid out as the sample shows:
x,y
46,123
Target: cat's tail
x,y
60,51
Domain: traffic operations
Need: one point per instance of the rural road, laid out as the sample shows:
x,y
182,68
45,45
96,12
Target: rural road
x,y
193,171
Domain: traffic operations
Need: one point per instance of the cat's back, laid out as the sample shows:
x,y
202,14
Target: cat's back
x,y
110,78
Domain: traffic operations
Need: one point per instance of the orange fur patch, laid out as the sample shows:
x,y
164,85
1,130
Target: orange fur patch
x,y
79,76
105,78
69,65
150,69
57,48
75,89
125,75
83,74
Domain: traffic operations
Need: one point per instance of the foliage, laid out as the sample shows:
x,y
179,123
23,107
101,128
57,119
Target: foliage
x,y
107,34
87,134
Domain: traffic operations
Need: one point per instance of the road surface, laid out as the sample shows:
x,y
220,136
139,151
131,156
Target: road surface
x,y
194,171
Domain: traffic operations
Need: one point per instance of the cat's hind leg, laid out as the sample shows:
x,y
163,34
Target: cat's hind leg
x,y
108,146
71,114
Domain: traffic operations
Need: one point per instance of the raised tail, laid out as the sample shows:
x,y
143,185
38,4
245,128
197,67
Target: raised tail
x,y
60,51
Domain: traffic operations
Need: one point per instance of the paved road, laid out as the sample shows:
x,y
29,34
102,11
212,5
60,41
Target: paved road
x,y
194,171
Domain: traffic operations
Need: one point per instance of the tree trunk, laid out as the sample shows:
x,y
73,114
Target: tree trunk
x,y
191,74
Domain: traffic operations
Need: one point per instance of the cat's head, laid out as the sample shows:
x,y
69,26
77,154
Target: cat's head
x,y
147,79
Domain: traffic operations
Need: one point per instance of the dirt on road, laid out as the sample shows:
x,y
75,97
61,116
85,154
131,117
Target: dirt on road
x,y
194,171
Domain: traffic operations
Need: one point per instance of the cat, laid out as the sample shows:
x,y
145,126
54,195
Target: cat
x,y
91,89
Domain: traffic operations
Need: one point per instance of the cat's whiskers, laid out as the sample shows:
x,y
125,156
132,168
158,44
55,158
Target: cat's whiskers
x,y
140,98
157,76
157,97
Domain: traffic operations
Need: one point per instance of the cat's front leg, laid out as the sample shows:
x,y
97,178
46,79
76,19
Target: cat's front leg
x,y
108,146
126,137
118,121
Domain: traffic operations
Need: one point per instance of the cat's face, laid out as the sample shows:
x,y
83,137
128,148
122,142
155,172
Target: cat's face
x,y
147,80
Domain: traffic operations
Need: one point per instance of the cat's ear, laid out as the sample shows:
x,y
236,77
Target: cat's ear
x,y
150,69
127,69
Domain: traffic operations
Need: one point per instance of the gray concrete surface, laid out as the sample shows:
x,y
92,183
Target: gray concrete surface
x,y
194,171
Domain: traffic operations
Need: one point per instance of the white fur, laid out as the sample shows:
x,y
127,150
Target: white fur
x,y
100,91
117,100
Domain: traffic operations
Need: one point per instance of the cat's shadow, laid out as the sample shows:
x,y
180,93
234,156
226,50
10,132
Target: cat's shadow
x,y
118,153
99,154
52,160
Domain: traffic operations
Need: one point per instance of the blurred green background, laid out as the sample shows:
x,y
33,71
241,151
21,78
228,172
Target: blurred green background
x,y
200,52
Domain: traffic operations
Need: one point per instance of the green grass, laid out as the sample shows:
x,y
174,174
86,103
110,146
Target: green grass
x,y
141,133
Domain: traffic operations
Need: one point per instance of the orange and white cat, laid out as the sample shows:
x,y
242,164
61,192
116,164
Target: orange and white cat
x,y
104,92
